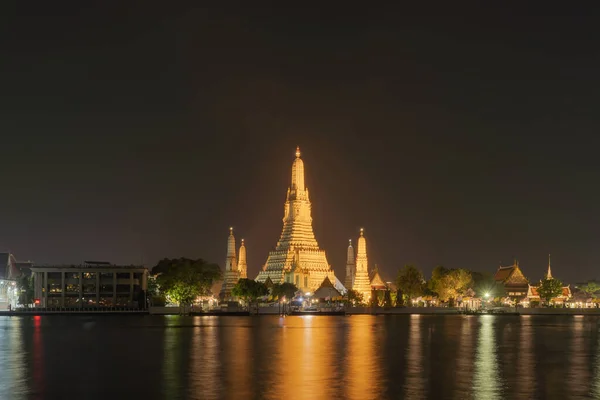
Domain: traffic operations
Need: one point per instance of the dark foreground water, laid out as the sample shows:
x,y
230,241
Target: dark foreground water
x,y
358,357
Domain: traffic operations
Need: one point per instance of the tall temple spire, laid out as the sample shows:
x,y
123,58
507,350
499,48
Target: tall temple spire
x,y
242,267
231,274
297,257
298,174
362,283
549,273
350,267
230,262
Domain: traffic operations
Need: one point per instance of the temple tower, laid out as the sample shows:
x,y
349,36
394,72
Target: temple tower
x,y
362,283
231,275
297,257
242,267
350,267
549,273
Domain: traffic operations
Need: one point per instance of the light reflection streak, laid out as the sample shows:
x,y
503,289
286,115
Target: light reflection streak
x,y
236,361
595,389
13,376
171,362
363,360
204,360
38,356
464,361
578,369
486,383
414,387
526,382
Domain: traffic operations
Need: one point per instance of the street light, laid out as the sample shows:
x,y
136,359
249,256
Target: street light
x,y
487,295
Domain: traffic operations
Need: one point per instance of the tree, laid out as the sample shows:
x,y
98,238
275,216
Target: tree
x,y
286,289
355,298
450,283
25,288
592,289
387,299
153,288
399,298
249,290
549,289
436,275
182,280
410,281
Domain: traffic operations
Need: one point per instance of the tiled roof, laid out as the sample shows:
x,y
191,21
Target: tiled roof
x,y
377,282
503,273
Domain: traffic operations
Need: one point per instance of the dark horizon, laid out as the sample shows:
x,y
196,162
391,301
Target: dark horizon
x,y
139,131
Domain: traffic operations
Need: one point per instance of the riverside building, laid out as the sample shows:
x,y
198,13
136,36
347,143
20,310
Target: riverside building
x,y
93,284
10,271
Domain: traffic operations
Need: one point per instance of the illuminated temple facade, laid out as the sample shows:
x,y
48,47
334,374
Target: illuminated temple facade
x,y
297,257
235,268
362,282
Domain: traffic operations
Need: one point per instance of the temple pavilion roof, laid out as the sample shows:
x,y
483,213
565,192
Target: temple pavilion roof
x,y
327,290
376,282
511,275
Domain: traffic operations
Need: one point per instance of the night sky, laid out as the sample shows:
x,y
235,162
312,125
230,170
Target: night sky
x,y
142,130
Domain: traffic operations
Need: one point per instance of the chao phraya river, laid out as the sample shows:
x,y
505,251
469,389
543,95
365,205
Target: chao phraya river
x,y
267,357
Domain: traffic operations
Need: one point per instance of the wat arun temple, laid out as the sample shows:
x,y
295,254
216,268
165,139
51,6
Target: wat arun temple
x,y
297,257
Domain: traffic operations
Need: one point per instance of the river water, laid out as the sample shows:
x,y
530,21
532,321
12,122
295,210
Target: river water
x,y
268,357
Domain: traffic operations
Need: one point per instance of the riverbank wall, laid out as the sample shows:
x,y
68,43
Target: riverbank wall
x,y
276,311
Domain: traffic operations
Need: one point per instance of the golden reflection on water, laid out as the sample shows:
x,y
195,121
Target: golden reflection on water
x,y
205,374
525,381
464,360
486,382
414,387
363,359
307,359
235,350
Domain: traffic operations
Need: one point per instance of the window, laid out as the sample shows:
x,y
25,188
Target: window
x,y
106,288
89,287
306,281
123,288
72,288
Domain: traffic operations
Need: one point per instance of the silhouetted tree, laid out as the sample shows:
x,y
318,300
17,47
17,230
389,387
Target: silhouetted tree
x,y
286,289
410,281
387,299
399,298
249,290
355,298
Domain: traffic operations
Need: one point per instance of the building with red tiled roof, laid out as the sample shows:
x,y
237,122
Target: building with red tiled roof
x,y
513,280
